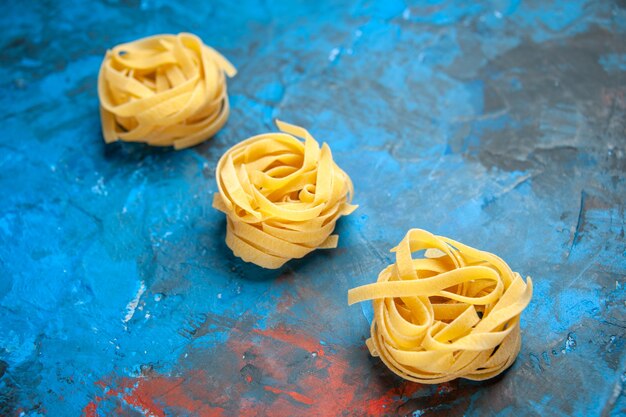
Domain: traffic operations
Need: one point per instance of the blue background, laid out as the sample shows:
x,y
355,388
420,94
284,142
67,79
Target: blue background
x,y
500,124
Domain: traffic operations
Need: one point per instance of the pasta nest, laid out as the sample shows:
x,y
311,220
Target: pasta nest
x,y
282,197
452,314
164,90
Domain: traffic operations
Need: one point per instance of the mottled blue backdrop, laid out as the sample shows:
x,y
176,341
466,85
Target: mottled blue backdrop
x,y
500,124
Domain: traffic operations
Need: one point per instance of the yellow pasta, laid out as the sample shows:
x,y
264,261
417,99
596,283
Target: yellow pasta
x,y
282,197
164,90
452,314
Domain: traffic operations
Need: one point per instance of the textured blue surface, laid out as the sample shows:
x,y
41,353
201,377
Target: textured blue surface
x,y
501,124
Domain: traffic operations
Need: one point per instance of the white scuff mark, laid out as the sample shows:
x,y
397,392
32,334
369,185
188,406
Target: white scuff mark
x,y
497,14
132,305
333,54
406,14
358,33
100,188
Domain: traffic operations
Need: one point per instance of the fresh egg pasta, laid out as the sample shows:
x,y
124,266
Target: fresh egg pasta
x,y
164,90
282,197
452,314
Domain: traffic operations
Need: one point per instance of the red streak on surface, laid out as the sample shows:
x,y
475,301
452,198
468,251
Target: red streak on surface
x,y
295,395
384,403
153,396
91,409
327,385
294,377
289,336
145,403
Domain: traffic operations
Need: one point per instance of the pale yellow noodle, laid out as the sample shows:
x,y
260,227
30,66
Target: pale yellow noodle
x,y
282,197
164,90
451,314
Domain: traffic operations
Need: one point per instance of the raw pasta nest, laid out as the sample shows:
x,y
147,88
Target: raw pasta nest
x,y
451,314
282,197
164,90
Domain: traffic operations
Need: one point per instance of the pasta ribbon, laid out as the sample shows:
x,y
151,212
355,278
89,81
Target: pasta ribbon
x,y
164,90
282,197
453,313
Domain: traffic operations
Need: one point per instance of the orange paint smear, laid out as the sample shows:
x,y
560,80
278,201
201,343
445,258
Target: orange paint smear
x,y
91,409
153,396
287,335
295,395
325,384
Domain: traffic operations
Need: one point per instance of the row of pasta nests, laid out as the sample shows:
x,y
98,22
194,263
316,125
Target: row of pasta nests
x,y
451,314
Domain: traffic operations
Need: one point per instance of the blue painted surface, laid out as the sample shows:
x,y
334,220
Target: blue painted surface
x,y
500,124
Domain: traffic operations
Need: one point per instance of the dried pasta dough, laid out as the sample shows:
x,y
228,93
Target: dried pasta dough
x,y
282,197
164,90
451,314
